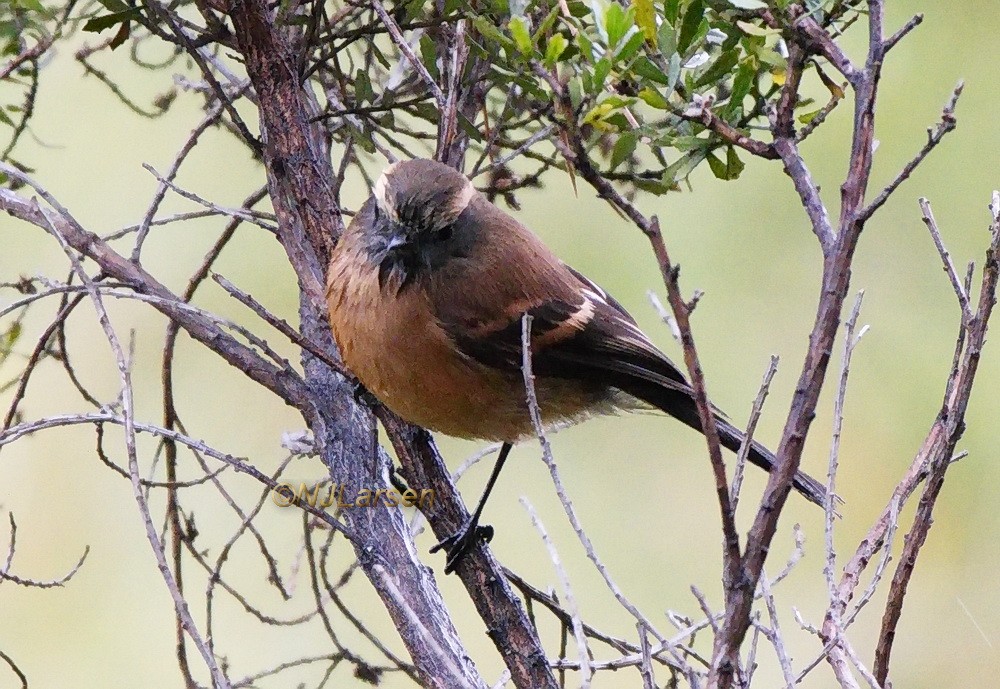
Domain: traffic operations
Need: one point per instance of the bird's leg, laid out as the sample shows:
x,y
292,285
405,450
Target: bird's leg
x,y
362,394
397,480
459,543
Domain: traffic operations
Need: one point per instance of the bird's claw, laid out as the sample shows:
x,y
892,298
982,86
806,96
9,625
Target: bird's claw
x,y
396,479
362,395
461,542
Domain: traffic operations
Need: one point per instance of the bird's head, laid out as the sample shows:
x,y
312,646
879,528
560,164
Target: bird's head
x,y
412,226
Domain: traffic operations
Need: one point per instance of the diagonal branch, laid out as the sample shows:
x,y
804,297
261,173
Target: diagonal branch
x,y
302,189
951,421
283,383
404,47
934,137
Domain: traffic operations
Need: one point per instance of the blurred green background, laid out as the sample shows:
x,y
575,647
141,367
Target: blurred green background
x,y
641,484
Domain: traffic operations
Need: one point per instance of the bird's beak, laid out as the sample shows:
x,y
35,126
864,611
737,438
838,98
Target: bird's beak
x,y
396,241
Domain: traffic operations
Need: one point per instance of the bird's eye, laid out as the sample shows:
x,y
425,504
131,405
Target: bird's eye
x,y
444,234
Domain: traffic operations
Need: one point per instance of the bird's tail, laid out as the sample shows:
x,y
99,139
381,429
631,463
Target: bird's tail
x,y
681,405
732,438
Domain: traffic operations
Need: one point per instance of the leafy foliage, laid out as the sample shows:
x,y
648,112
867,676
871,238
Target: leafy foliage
x,y
632,69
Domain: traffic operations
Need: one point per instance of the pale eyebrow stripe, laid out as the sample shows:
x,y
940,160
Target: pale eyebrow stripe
x,y
381,189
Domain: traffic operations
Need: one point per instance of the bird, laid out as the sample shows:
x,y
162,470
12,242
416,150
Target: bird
x,y
426,291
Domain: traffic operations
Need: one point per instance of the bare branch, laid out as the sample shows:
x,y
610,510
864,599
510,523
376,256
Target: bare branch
x,y
120,268
949,267
808,191
6,575
125,374
914,21
952,422
755,411
850,342
578,527
407,51
934,137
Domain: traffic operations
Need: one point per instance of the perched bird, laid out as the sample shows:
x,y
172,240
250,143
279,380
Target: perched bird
x,y
426,291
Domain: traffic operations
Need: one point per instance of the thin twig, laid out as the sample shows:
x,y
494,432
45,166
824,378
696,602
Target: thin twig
x,y
949,267
755,411
574,520
775,637
125,374
407,51
850,342
934,137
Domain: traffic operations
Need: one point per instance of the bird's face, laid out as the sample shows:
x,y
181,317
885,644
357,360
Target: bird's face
x,y
414,223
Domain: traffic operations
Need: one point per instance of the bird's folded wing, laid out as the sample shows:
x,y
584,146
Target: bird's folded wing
x,y
585,336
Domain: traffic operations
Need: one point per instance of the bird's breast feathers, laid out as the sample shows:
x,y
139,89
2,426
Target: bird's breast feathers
x,y
402,353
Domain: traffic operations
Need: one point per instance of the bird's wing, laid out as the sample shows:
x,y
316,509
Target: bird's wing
x,y
585,335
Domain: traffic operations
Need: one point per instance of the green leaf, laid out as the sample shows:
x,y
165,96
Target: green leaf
x,y
670,10
753,29
10,338
470,129
673,71
647,69
522,36
487,29
699,37
364,140
807,117
546,24
619,101
106,21
555,48
653,186
624,147
618,122
598,112
689,25
730,169
733,162
689,143
718,167
682,167
654,98
601,71
114,5
631,47
576,91
617,22
772,58
720,68
413,8
428,54
363,92
645,17
666,39
585,46
742,82
34,5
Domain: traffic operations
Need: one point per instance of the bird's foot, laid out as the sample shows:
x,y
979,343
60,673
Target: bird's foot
x,y
363,396
462,541
397,480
